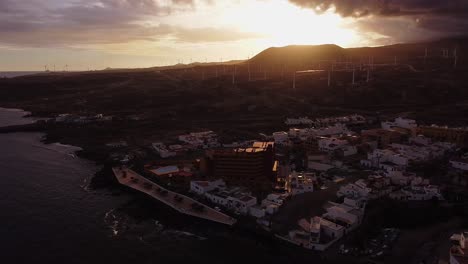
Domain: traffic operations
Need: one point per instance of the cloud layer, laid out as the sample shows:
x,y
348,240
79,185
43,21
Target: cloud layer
x,y
400,20
63,23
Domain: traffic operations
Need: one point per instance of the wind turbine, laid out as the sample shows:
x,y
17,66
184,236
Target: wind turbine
x,y
368,74
248,68
234,75
294,81
425,56
455,58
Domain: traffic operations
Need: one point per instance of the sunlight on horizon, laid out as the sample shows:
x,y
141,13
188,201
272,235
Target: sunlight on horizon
x,y
285,24
220,30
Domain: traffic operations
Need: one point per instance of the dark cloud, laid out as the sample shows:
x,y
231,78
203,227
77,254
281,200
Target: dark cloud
x,y
400,20
360,8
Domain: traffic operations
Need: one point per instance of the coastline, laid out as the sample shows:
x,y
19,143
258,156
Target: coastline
x,y
102,178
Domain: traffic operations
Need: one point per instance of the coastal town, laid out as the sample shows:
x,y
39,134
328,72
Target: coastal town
x,y
313,185
259,131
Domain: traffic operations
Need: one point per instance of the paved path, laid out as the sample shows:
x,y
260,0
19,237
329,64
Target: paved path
x,y
181,203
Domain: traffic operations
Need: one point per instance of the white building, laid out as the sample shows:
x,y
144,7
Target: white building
x,y
348,150
298,121
118,144
272,209
358,189
204,139
274,199
281,137
351,119
336,129
257,211
302,133
379,158
234,199
400,122
318,234
218,197
202,187
417,193
459,249
355,202
331,144
401,178
460,164
162,150
241,202
63,118
345,216
298,183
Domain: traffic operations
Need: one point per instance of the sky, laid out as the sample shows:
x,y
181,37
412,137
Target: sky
x,y
96,34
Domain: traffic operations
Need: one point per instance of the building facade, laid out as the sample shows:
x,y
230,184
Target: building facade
x,y
458,136
253,167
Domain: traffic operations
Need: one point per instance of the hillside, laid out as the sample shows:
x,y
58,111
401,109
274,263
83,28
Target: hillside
x,y
303,55
295,55
241,100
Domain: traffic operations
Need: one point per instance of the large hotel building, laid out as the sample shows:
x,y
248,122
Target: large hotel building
x,y
254,167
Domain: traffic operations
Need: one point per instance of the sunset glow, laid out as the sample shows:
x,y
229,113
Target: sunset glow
x,y
141,33
284,24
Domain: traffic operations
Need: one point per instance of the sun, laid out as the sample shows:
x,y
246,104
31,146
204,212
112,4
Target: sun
x,y
283,23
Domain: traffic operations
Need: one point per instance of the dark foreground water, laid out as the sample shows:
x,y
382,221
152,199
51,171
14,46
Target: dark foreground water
x,y
49,215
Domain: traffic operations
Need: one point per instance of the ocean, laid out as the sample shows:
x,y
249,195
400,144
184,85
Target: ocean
x,y
12,74
50,215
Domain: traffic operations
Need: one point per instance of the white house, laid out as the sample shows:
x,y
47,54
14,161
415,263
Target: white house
x,y
203,139
257,211
298,121
417,193
202,187
274,199
460,164
318,234
162,150
336,129
459,249
354,189
400,177
271,209
400,122
332,230
218,197
241,203
331,144
349,150
346,217
281,137
298,183
378,158
300,132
